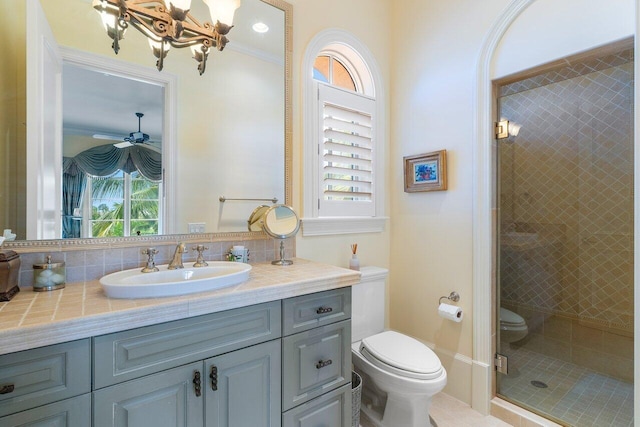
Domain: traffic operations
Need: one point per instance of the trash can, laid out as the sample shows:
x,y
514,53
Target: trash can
x,y
356,395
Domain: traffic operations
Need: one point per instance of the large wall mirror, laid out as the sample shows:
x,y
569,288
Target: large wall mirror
x,y
224,134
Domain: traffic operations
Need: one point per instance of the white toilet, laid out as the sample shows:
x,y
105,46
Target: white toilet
x,y
512,326
399,374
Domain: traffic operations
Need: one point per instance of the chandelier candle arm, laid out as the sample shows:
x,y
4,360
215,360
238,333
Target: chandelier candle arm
x,y
165,27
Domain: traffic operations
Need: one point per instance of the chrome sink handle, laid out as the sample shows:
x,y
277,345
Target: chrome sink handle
x,y
151,264
200,262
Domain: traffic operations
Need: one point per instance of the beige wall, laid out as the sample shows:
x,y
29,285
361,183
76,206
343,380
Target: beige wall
x,y
12,118
309,18
432,109
435,50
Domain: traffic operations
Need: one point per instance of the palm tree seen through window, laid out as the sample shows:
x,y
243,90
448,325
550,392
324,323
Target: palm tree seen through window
x,y
124,205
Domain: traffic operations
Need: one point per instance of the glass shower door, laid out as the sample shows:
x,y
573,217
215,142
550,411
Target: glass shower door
x,y
565,244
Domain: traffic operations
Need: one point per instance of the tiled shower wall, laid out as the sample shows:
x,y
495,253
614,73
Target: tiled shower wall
x,y
567,181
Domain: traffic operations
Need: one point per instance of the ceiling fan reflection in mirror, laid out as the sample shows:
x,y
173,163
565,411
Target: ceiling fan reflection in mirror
x,y
134,138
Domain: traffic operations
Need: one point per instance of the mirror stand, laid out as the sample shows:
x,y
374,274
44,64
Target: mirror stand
x,y
279,222
282,261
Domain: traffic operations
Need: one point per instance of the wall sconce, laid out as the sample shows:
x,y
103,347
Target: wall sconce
x,y
514,128
504,128
169,27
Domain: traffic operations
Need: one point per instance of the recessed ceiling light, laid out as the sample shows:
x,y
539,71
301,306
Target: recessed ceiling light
x,y
260,27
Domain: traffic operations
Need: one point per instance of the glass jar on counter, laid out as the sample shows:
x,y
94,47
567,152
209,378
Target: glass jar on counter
x,y
48,276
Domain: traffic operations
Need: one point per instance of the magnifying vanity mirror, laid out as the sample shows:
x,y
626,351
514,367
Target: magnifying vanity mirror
x,y
212,132
256,219
279,222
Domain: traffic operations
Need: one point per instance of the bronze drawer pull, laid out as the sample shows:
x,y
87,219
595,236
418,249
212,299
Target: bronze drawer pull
x,y
6,389
214,377
197,384
321,364
324,310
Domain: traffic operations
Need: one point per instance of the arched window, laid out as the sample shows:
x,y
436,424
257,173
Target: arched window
x,y
344,174
329,69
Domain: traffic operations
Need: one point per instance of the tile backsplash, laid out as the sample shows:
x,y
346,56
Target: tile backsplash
x,y
91,263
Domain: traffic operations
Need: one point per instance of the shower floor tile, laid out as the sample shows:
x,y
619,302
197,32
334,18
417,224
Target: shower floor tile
x,y
576,395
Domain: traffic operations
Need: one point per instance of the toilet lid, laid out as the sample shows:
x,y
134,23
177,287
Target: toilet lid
x,y
401,355
509,317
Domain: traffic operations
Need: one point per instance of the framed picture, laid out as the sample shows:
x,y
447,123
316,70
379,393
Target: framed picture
x,y
426,172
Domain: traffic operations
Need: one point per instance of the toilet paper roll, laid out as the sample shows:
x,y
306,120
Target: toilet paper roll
x,y
450,312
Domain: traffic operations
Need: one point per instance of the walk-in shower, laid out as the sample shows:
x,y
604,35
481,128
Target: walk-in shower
x,y
565,240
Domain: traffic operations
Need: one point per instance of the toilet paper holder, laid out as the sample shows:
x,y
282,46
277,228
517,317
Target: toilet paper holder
x,y
453,296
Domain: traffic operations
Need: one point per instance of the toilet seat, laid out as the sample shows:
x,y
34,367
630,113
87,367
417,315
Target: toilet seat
x,y
401,355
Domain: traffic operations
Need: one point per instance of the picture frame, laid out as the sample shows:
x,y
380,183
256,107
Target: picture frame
x,y
425,172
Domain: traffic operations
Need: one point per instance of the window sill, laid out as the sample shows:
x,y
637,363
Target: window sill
x,y
342,225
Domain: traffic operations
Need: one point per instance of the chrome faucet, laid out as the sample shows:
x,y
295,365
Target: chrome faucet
x,y
176,262
151,264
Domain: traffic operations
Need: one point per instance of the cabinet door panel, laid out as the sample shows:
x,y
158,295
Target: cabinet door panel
x,y
315,362
166,399
248,388
330,410
75,412
44,375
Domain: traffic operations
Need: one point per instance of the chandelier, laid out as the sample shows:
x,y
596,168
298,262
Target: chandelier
x,y
169,27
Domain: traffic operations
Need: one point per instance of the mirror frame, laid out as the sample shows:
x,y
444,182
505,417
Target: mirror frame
x,y
133,241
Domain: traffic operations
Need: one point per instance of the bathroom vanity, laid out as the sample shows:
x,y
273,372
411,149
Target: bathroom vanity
x,y
273,351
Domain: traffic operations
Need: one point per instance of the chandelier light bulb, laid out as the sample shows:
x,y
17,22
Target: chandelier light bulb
x,y
108,21
222,10
153,44
181,4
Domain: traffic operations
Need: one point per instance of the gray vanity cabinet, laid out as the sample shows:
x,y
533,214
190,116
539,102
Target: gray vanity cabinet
x,y
74,412
318,362
330,410
243,387
226,369
42,376
142,351
316,352
222,369
166,399
237,389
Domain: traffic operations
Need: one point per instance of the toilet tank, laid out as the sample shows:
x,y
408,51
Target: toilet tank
x,y
368,303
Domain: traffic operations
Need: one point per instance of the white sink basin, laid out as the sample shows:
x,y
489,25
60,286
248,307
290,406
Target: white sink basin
x,y
135,284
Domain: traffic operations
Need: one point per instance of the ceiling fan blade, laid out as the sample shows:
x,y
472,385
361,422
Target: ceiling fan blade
x,y
109,137
123,144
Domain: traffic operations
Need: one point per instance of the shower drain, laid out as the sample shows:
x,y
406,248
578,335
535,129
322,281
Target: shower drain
x,y
539,384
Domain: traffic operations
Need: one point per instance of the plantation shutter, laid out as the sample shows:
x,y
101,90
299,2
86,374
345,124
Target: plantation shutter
x,y
346,153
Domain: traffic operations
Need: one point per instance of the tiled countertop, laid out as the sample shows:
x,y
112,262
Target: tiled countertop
x,y
80,310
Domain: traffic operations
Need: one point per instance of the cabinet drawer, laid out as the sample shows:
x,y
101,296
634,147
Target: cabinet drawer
x,y
43,375
74,412
310,311
315,362
130,354
331,410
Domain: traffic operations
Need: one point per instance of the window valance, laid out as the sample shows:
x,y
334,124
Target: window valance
x,y
106,160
